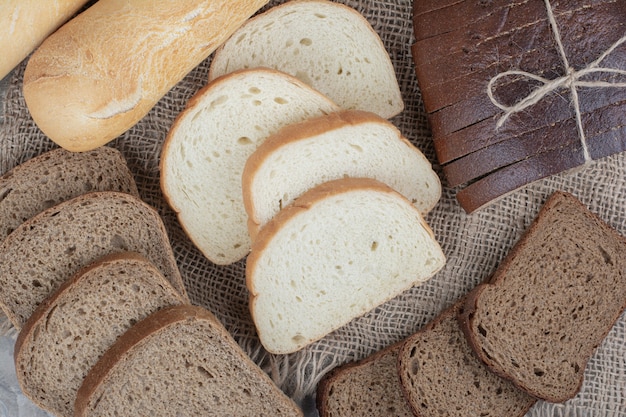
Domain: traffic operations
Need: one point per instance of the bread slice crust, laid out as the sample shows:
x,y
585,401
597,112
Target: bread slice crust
x,y
326,44
56,176
334,257
440,375
50,247
369,387
551,302
245,388
63,338
350,143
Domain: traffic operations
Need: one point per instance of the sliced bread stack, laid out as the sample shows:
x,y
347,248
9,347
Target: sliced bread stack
x,y
85,273
71,329
525,335
505,89
46,250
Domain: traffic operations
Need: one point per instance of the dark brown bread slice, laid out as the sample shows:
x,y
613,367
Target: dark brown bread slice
x,y
551,301
49,248
369,387
441,376
179,361
56,176
72,328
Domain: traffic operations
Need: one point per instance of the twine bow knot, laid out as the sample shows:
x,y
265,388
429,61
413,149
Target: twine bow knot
x,y
572,80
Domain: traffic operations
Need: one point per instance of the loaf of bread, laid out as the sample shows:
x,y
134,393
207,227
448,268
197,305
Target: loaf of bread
x,y
56,176
26,23
326,44
479,66
551,301
205,152
71,329
179,361
370,387
48,249
350,143
441,377
101,72
341,249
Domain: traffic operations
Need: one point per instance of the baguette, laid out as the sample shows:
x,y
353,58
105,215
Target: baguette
x,y
26,23
100,73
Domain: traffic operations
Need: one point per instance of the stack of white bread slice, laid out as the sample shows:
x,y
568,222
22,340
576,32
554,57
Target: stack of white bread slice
x,y
86,281
287,157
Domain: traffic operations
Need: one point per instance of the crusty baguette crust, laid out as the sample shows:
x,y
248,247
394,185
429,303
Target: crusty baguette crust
x,y
26,23
467,315
100,73
298,131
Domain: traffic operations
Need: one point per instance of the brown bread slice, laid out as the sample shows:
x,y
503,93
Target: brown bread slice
x,y
369,387
551,301
72,328
179,361
441,376
52,246
56,176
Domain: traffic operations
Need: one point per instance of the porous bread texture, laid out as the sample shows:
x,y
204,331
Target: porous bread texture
x,y
26,23
325,44
207,147
369,387
180,361
343,248
551,301
101,72
348,143
441,377
72,328
49,248
56,176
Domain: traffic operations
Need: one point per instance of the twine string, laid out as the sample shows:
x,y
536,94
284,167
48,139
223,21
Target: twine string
x,y
572,80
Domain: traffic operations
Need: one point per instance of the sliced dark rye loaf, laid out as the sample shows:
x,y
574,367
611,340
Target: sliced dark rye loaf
x,y
179,361
72,328
49,248
434,18
551,301
510,178
369,387
56,176
441,376
537,142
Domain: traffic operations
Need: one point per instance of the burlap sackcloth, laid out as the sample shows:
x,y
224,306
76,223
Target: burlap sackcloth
x,y
474,244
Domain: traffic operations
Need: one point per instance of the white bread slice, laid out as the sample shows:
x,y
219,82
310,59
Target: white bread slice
x,y
48,249
59,175
328,45
72,328
349,143
342,249
206,150
180,361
